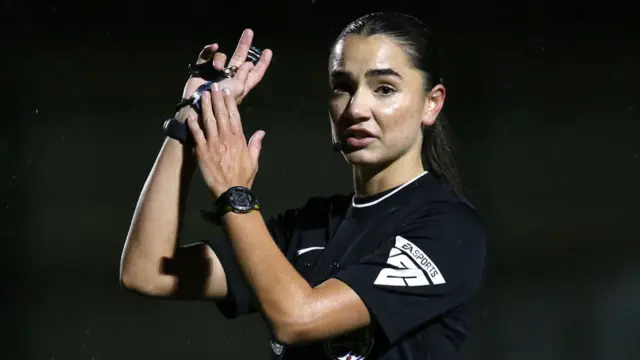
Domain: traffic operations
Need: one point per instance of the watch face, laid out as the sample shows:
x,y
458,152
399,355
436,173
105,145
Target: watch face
x,y
241,200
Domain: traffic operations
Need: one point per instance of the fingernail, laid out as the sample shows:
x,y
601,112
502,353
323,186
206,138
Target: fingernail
x,y
226,91
216,86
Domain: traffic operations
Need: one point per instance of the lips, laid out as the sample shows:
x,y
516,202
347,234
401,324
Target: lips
x,y
358,133
358,138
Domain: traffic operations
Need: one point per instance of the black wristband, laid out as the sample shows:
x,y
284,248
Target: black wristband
x,y
177,130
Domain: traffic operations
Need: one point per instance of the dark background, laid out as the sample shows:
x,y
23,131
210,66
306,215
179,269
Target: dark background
x,y
543,100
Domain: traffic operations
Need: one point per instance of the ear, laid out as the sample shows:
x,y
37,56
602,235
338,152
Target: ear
x,y
433,103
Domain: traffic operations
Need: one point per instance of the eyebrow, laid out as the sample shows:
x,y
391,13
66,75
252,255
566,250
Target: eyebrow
x,y
369,73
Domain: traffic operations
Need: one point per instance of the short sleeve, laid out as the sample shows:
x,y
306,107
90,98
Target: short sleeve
x,y
435,263
240,299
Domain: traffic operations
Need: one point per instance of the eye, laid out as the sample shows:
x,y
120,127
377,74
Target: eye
x,y
385,90
340,87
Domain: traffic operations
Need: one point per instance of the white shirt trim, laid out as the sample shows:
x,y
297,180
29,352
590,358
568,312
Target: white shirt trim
x,y
353,200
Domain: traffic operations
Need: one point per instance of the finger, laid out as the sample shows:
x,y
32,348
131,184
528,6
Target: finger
x,y
255,145
219,59
206,53
243,72
208,119
185,113
220,110
196,131
235,125
240,55
256,74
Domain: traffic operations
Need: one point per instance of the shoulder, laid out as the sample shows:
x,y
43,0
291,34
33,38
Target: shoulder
x,y
440,215
451,234
459,213
433,199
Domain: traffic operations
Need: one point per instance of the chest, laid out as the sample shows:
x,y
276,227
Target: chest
x,y
321,252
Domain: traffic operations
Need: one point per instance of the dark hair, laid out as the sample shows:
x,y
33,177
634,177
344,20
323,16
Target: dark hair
x,y
418,43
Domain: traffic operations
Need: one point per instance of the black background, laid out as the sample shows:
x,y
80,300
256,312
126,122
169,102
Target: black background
x,y
543,100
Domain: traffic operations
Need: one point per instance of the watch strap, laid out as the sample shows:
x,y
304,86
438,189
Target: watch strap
x,y
222,207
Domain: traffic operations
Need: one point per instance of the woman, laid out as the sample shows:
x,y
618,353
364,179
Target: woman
x,y
388,272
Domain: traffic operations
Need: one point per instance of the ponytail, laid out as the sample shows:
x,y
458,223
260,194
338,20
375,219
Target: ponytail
x,y
437,154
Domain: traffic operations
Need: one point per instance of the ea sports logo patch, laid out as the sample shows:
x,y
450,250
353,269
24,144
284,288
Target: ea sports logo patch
x,y
409,267
356,345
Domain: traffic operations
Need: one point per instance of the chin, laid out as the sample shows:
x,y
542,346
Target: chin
x,y
361,158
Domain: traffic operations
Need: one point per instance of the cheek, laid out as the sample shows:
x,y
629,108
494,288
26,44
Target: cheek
x,y
399,124
394,117
337,105
390,110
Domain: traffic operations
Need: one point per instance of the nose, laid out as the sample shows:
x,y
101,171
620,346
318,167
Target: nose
x,y
359,107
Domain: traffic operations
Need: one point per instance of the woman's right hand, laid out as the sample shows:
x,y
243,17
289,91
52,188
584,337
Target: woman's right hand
x,y
246,78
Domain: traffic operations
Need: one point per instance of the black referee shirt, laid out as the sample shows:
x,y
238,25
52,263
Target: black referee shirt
x,y
414,254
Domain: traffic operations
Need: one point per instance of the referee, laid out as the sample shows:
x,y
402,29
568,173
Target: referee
x,y
387,272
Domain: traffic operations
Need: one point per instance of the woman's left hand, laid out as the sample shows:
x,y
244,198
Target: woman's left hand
x,y
224,156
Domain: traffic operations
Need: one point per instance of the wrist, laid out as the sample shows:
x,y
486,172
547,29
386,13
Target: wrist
x,y
179,150
235,200
176,127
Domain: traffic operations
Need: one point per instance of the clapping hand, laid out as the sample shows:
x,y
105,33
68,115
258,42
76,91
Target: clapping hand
x,y
246,78
224,156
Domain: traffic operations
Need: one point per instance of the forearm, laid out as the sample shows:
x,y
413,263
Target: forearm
x,y
154,229
281,291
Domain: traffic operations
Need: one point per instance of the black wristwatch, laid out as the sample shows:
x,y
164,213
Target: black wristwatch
x,y
237,199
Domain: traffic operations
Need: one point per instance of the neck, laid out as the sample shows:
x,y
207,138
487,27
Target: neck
x,y
372,180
